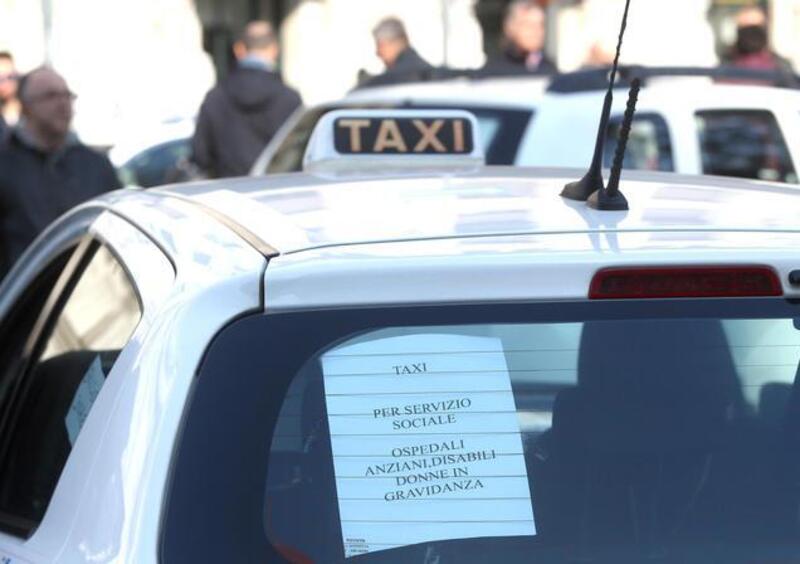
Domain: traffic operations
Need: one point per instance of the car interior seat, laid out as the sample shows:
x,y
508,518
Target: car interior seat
x,y
653,401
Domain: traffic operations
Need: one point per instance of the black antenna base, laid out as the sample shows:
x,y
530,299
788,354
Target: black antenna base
x,y
580,190
592,182
604,201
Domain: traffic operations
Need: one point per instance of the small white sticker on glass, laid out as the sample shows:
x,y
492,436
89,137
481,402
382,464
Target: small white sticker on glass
x,y
87,392
426,442
6,558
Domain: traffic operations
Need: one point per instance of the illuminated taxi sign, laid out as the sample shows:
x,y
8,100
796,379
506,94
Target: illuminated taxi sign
x,y
354,135
353,141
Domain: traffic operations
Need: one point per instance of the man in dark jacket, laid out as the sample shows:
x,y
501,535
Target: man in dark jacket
x,y
44,169
403,63
523,42
244,111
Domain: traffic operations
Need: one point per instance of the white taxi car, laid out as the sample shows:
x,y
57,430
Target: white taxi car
x,y
400,356
689,125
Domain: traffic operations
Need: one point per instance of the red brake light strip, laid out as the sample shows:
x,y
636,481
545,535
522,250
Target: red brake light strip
x,y
685,282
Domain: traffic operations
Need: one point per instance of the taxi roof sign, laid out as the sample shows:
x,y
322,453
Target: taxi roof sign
x,y
389,140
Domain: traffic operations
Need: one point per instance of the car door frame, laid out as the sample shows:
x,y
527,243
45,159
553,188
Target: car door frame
x,y
151,274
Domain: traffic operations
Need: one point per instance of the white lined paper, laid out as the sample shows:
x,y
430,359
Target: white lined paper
x,y
426,442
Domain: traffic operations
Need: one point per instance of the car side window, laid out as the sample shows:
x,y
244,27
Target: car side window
x,y
289,156
80,338
649,145
152,168
745,144
21,319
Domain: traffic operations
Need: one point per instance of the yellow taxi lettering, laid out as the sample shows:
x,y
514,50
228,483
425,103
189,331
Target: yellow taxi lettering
x,y
389,137
458,136
429,136
355,126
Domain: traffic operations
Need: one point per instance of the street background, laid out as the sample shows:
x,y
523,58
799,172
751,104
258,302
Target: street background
x,y
135,63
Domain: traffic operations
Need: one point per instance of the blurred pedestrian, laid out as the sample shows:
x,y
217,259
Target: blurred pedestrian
x,y
598,56
243,112
752,49
402,62
44,169
523,42
9,102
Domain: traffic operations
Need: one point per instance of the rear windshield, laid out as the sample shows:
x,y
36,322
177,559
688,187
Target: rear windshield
x,y
501,131
623,432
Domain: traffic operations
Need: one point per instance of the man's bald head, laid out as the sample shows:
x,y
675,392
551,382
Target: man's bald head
x,y
38,82
46,106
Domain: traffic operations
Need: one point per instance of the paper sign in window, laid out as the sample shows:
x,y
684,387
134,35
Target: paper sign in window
x,y
426,442
84,398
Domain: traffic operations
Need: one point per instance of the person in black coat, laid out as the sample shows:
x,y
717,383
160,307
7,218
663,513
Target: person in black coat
x,y
44,169
403,63
523,42
243,112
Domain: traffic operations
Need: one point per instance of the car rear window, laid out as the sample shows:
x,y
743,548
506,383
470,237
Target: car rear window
x,y
745,144
501,132
551,432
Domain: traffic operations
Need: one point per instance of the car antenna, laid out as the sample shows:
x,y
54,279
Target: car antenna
x,y
593,179
610,198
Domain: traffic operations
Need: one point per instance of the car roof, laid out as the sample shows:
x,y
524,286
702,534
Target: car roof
x,y
488,234
699,91
299,212
526,91
511,92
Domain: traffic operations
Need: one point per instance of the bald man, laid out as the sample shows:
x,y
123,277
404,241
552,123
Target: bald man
x,y
243,112
44,169
524,32
752,49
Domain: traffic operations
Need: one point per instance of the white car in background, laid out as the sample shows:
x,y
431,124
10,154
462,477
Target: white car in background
x,y
148,156
690,125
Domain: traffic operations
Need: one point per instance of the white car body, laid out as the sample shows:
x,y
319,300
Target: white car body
x,y
202,255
